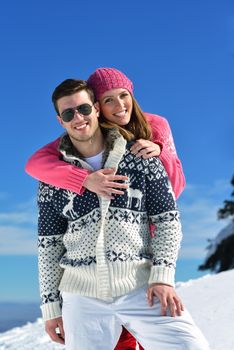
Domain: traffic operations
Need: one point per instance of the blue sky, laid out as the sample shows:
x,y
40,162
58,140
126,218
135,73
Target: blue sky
x,y
180,56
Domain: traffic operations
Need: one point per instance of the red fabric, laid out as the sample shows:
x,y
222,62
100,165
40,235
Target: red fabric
x,y
126,341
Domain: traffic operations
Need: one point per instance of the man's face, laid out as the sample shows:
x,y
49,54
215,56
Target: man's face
x,y
81,128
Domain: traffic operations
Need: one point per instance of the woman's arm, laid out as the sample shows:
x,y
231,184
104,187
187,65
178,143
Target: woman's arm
x,y
162,135
46,165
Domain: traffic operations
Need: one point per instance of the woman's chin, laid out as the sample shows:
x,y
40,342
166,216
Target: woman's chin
x,y
122,121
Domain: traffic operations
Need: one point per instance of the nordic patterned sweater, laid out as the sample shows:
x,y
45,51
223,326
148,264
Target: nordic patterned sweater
x,y
106,248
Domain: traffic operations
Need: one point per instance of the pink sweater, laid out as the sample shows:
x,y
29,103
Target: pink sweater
x,y
45,165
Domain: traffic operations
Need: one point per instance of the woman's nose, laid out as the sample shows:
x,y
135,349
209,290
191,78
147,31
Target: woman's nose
x,y
119,102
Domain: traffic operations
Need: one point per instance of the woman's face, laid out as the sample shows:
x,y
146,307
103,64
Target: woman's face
x,y
116,106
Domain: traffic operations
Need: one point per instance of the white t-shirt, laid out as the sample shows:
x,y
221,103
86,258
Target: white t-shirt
x,y
95,161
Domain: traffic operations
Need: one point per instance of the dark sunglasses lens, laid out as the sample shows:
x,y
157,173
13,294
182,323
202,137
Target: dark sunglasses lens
x,y
85,109
67,115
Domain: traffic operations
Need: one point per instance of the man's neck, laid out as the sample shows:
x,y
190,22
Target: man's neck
x,y
91,147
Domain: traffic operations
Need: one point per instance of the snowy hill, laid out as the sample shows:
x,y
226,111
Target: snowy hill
x,y
209,300
223,234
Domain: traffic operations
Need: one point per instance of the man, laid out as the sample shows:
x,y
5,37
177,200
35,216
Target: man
x,y
99,254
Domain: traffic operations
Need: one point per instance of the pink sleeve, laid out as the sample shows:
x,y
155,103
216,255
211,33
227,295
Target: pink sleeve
x,y
162,134
45,165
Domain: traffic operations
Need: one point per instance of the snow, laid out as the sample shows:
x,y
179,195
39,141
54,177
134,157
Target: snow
x,y
209,300
223,234
29,337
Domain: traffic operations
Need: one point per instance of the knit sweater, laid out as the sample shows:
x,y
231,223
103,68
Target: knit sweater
x,y
106,248
45,165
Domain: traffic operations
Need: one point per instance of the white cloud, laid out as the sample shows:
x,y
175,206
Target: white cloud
x,y
18,218
3,195
198,206
17,241
23,213
18,230
191,252
29,205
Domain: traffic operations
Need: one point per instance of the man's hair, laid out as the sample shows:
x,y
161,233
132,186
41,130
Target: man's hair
x,y
69,87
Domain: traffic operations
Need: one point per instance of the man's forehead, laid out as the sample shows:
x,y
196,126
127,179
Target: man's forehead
x,y
75,99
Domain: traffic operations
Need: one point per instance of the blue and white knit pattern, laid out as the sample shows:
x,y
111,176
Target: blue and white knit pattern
x,y
102,248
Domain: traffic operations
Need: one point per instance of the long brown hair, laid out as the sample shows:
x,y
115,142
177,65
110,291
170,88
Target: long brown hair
x,y
137,128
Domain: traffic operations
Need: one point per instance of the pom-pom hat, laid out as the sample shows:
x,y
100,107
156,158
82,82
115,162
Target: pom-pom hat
x,y
104,79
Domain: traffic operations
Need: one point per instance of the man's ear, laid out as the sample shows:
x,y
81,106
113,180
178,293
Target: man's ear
x,y
60,120
97,107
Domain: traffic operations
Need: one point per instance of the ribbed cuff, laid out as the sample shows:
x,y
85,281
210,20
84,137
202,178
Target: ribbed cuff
x,y
76,179
51,310
162,274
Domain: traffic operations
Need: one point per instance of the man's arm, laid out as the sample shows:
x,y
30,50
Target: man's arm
x,y
165,223
165,238
51,228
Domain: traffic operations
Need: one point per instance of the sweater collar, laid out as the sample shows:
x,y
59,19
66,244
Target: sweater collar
x,y
69,152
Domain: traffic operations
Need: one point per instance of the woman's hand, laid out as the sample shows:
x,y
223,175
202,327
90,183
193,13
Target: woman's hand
x,y
51,326
145,149
102,182
167,297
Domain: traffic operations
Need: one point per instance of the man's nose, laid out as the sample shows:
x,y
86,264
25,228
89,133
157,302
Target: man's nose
x,y
78,115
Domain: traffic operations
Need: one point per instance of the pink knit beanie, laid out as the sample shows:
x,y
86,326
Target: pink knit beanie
x,y
104,79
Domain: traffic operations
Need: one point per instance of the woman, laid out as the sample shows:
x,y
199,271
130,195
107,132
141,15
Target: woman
x,y
113,91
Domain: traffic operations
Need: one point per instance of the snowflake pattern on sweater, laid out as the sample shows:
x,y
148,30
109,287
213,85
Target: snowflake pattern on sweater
x,y
102,248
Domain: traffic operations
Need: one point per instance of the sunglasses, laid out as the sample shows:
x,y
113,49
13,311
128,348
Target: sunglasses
x,y
68,114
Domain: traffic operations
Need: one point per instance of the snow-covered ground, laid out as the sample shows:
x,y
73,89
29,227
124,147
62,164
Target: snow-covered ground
x,y
209,300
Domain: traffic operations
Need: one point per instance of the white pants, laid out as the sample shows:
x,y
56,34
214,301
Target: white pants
x,y
92,324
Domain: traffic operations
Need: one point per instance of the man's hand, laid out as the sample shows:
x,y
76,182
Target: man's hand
x,y
167,297
102,183
51,326
145,149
